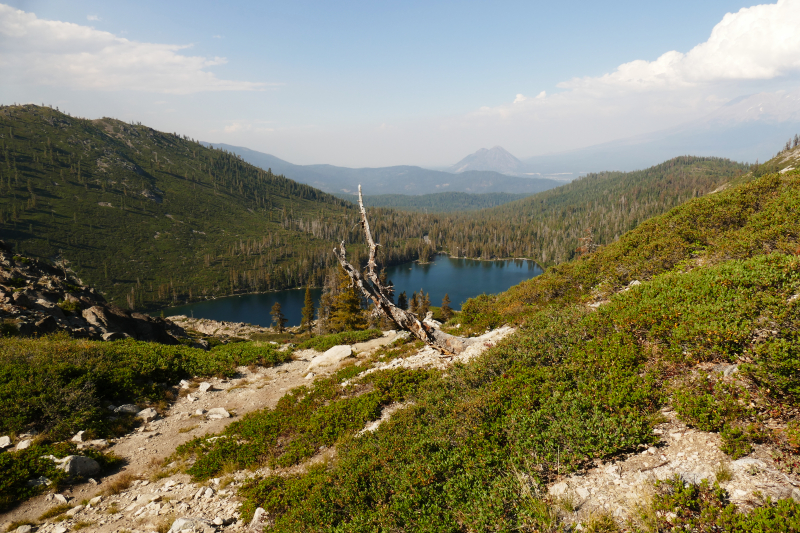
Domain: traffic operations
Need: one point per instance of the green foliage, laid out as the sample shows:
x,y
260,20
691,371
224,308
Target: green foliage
x,y
307,317
61,385
710,406
304,420
684,507
326,342
346,312
249,353
153,218
19,467
737,440
69,307
278,318
442,202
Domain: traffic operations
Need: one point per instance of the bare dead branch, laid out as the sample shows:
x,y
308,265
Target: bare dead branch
x,y
375,291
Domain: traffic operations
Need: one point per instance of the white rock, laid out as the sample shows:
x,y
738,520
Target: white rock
x,y
184,384
96,500
147,414
5,442
331,357
191,398
78,436
36,482
60,529
200,412
583,492
217,413
23,529
218,521
209,493
60,498
191,524
204,386
559,488
748,462
259,517
310,375
24,444
75,510
78,465
128,408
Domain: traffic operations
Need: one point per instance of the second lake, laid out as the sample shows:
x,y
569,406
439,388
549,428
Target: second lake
x,y
461,279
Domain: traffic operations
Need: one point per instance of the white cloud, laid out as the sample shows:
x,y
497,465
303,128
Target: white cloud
x,y
47,52
520,98
239,126
92,17
757,43
541,95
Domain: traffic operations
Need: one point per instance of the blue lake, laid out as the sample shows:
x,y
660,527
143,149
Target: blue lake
x,y
459,278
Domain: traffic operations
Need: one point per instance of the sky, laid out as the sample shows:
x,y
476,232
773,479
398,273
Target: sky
x,y
382,83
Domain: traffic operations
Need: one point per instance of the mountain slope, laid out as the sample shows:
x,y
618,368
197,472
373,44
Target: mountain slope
x,y
149,217
404,179
442,202
496,159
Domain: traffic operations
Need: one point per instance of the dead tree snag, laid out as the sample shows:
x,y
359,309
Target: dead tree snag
x,y
375,291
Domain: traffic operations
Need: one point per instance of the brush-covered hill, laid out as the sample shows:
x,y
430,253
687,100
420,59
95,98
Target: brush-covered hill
x,y
149,217
443,202
548,227
612,348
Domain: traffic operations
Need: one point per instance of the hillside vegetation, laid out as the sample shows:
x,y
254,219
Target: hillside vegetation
x,y
153,219
443,202
595,359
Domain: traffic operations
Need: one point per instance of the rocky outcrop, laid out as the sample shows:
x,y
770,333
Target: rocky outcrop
x,y
37,298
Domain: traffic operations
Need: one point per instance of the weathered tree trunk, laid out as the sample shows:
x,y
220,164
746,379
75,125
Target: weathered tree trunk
x,y
372,289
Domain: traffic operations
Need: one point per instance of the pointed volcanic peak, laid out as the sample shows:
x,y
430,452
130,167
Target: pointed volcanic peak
x,y
497,159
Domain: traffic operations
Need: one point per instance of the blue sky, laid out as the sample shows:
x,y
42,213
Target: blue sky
x,y
379,83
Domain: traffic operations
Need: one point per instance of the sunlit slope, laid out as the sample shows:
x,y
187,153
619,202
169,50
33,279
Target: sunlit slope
x,y
151,217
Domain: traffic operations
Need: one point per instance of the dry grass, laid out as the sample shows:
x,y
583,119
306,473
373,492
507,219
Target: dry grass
x,y
55,511
187,429
119,483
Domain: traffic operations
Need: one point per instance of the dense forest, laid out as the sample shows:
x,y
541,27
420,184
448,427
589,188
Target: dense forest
x,y
442,202
154,218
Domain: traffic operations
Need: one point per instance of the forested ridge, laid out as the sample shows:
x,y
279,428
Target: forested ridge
x,y
153,218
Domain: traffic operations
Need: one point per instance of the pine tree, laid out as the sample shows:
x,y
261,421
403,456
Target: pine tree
x,y
278,318
346,313
413,303
424,303
307,317
402,301
447,311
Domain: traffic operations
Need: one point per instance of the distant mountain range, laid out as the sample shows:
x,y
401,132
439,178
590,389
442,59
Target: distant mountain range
x,y
408,180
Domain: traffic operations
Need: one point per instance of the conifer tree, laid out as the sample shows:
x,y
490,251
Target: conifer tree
x,y
346,314
307,317
447,311
278,317
423,303
413,303
402,301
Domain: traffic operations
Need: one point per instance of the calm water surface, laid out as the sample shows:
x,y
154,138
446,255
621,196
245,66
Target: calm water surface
x,y
459,278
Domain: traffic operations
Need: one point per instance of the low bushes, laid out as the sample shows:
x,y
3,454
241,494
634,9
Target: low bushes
x,y
60,385
326,342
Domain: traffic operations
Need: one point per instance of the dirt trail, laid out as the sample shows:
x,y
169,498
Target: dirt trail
x,y
145,506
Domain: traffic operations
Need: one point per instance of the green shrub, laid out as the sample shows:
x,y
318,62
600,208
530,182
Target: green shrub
x,y
688,507
24,465
68,306
250,353
61,385
737,440
326,342
304,419
710,406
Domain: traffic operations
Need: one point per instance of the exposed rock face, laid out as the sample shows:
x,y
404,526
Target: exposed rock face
x,y
218,328
37,298
331,357
78,465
